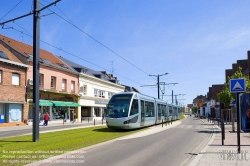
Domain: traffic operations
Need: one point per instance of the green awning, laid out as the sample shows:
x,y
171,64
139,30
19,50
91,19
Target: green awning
x,y
65,104
45,103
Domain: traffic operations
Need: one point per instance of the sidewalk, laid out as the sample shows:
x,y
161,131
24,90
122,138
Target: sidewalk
x,y
216,154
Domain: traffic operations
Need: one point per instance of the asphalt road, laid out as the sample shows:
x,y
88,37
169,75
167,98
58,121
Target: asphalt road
x,y
174,146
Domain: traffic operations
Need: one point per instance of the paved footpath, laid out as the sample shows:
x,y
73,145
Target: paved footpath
x,y
216,154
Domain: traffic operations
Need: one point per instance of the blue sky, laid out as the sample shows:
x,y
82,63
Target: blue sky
x,y
192,40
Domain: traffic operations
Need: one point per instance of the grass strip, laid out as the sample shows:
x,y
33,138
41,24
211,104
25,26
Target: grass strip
x,y
21,150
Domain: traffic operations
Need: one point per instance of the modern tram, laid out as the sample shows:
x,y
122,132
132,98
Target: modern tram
x,y
131,110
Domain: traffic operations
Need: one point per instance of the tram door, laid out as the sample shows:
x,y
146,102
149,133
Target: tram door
x,y
142,113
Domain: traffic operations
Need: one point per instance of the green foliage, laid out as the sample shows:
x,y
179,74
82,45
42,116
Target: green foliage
x,y
182,116
54,143
225,96
194,109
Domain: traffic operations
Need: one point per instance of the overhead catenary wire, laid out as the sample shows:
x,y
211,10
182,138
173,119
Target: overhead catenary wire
x,y
71,54
11,9
74,25
71,23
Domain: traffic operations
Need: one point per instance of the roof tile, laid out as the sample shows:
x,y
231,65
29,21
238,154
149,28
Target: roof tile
x,y
26,49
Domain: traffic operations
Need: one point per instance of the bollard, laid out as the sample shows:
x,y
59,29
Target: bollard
x,y
63,121
94,122
81,120
102,121
171,121
162,122
88,119
222,132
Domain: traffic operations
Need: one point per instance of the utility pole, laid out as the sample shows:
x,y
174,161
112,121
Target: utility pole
x,y
158,82
36,57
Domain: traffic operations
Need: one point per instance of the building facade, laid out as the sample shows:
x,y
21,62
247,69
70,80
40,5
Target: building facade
x,y
58,83
95,90
13,106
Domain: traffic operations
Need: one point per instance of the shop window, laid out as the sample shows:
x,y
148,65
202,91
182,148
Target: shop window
x,y
53,82
15,79
64,84
97,112
72,86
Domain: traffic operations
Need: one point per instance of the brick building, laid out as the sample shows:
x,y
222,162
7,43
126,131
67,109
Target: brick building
x,y
13,106
59,93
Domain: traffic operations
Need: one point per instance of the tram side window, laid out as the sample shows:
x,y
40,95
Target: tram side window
x,y
170,110
151,109
159,109
163,107
134,107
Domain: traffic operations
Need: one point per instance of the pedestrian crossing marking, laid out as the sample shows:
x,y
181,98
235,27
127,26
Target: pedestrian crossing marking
x,y
190,127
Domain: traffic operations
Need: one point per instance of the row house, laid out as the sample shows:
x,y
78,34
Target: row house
x,y
212,98
13,107
95,90
58,83
68,91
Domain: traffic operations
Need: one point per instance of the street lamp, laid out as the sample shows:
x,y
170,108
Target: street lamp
x,y
158,82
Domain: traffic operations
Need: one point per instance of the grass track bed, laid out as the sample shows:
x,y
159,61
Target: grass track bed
x,y
15,150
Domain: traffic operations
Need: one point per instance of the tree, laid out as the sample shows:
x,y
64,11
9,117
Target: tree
x,y
194,109
225,96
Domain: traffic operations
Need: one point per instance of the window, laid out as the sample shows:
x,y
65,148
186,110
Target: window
x,y
15,79
134,107
0,76
53,82
83,89
41,80
72,86
101,93
110,95
64,83
149,108
95,92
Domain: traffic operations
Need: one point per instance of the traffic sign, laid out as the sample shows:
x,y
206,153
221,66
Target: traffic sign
x,y
237,85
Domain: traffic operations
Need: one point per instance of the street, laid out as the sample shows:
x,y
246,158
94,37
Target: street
x,y
176,146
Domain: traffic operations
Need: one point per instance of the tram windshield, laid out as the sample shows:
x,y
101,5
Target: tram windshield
x,y
118,106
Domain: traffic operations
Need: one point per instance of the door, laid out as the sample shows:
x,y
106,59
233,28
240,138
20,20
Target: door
x,y
142,113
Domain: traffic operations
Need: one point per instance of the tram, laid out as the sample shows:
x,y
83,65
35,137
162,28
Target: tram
x,y
132,110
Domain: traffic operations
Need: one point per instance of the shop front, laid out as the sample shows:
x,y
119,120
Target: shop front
x,y
93,109
11,112
60,107
57,110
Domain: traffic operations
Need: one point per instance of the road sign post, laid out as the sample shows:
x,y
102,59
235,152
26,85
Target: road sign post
x,y
237,86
